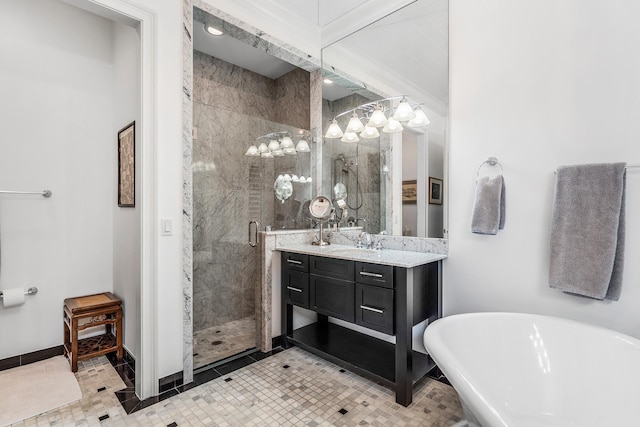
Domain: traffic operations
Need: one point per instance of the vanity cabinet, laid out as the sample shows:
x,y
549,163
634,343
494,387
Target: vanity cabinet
x,y
384,298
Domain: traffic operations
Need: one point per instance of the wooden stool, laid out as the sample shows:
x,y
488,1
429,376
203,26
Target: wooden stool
x,y
86,312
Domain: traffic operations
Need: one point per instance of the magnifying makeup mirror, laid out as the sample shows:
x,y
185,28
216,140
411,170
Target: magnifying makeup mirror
x,y
321,209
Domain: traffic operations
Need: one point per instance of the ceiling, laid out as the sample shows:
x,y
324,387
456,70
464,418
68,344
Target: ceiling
x,y
239,53
413,40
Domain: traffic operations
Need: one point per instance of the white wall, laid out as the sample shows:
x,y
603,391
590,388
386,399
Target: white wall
x,y
538,84
56,123
126,221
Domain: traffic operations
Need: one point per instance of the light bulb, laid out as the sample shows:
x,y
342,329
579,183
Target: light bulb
x,y
369,132
266,155
273,145
212,30
309,179
294,178
263,148
302,146
252,151
355,125
404,112
290,151
393,126
286,142
378,119
350,137
278,153
419,120
302,180
334,130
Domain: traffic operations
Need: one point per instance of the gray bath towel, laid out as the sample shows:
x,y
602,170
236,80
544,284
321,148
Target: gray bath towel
x,y
587,230
489,205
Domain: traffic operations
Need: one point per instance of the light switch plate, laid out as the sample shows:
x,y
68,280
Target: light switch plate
x,y
166,227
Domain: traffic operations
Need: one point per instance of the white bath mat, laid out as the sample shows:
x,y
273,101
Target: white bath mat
x,y
39,387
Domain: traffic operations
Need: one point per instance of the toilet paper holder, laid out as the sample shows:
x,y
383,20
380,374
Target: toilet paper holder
x,y
31,291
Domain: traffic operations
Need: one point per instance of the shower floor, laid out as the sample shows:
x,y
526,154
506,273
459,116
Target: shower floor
x,y
218,342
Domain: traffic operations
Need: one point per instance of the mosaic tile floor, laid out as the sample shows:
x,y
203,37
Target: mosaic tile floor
x,y
218,342
290,388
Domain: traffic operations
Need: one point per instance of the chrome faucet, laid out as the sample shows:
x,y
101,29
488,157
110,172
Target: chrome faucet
x,y
364,241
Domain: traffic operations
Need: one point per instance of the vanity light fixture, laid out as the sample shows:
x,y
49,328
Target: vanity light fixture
x,y
334,131
375,112
273,145
404,112
212,30
378,119
350,137
252,151
355,125
393,126
419,120
302,146
369,132
280,143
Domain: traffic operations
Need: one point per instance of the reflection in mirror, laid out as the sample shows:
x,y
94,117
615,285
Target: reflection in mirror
x,y
372,170
321,209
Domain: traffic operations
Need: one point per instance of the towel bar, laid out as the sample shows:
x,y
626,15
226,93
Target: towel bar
x,y
491,161
31,291
44,193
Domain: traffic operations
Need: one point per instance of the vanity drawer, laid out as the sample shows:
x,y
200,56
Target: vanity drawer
x,y
297,288
297,262
332,267
332,297
374,308
374,274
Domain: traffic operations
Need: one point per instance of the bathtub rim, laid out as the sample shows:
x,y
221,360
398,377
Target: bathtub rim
x,y
481,410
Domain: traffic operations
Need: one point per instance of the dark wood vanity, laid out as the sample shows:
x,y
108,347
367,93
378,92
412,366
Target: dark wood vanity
x,y
389,294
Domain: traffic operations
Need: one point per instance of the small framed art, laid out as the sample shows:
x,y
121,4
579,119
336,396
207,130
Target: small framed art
x,y
127,166
435,191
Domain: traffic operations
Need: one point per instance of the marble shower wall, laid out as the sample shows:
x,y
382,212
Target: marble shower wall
x,y
231,108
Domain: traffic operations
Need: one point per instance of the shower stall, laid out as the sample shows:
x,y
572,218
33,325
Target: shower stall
x,y
233,192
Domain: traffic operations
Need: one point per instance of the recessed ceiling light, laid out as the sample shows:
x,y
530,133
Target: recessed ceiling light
x,y
327,81
212,30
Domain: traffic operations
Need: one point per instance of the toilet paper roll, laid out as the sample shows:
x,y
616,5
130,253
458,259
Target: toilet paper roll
x,y
12,297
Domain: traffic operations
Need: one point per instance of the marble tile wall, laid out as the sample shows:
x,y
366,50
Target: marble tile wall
x,y
231,108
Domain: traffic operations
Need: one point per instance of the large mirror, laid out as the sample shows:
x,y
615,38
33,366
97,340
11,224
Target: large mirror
x,y
394,182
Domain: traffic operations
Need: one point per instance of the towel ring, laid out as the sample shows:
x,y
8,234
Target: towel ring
x,y
491,161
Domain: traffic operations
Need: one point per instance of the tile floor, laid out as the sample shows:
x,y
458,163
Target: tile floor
x,y
218,342
290,388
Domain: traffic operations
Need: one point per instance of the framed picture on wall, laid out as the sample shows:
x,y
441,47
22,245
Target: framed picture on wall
x,y
435,191
127,166
409,192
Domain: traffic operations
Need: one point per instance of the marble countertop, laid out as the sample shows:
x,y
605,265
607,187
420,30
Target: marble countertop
x,y
406,259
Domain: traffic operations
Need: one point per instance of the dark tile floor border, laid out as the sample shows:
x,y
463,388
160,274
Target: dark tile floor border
x,y
172,385
34,356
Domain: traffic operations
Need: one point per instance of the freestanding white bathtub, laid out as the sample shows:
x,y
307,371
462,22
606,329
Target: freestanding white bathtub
x,y
525,370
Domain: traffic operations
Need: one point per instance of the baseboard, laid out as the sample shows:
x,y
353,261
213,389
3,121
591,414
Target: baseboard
x,y
34,356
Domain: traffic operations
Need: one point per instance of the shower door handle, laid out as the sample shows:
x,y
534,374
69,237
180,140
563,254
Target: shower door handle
x,y
253,243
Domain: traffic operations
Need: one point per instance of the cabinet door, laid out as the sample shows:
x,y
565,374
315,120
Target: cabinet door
x,y
374,308
332,297
297,285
